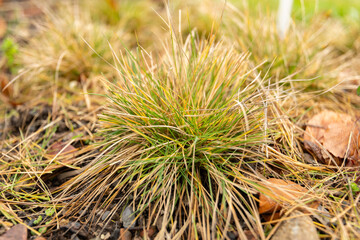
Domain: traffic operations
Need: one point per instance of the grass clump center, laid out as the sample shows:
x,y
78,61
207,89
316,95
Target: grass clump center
x,y
191,122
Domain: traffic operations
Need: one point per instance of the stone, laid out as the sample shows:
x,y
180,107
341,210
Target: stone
x,y
105,236
105,215
296,226
128,217
159,222
17,232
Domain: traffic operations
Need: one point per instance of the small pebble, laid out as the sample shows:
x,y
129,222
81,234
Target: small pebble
x,y
105,236
105,215
74,226
232,235
159,222
128,217
296,226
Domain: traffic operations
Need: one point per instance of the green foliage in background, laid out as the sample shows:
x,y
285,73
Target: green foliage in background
x,y
10,49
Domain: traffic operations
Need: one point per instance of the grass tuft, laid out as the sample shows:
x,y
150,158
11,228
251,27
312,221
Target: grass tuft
x,y
186,138
67,45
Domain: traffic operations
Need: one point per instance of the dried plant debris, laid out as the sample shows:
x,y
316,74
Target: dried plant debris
x,y
333,137
283,193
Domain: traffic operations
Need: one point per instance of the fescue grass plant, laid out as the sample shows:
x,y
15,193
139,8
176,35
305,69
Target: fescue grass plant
x,y
189,136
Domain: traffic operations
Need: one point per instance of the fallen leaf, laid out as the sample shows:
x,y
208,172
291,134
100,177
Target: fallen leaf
x,y
61,149
280,193
6,94
338,133
4,81
17,232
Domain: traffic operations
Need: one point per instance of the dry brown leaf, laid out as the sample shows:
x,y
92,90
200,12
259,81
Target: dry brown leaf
x,y
338,133
60,146
4,81
279,194
60,149
7,93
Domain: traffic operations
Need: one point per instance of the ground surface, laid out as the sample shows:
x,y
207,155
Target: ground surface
x,y
214,128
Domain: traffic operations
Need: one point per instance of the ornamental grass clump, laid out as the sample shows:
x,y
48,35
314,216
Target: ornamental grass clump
x,y
185,137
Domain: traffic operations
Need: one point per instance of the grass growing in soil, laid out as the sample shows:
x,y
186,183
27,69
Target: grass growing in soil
x,y
189,127
187,137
